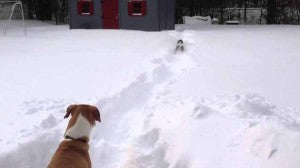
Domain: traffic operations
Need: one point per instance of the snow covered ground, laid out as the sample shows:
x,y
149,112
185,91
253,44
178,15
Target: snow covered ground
x,y
230,100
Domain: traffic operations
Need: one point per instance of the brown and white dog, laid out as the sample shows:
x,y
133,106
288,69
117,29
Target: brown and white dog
x,y
73,151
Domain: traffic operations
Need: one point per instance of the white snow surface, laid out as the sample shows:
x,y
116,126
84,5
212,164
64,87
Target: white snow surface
x,y
231,99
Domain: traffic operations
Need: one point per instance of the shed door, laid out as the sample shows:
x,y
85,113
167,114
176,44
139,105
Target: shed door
x,y
110,14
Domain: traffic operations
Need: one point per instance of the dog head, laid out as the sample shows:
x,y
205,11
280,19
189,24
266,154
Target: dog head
x,y
83,118
180,41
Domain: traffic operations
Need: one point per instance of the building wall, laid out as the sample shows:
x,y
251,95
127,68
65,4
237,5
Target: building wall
x,y
163,5
171,14
85,22
160,15
150,22
167,14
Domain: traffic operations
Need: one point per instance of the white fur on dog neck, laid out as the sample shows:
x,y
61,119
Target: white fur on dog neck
x,y
82,128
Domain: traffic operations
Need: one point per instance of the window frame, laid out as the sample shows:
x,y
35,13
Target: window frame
x,y
132,8
80,7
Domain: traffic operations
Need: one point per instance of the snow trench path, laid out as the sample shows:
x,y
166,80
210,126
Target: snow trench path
x,y
123,113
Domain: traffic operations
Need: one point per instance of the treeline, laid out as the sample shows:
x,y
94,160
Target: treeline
x,y
265,11
55,10
244,11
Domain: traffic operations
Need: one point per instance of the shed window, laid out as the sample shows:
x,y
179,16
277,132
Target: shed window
x,y
137,8
85,7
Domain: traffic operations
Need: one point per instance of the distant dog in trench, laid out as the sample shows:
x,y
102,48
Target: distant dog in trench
x,y
179,46
73,150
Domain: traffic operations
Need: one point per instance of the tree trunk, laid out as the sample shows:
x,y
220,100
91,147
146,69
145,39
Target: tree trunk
x,y
271,7
222,11
261,15
192,8
245,12
222,15
298,15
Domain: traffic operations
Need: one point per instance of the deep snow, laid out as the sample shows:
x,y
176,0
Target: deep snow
x,y
230,100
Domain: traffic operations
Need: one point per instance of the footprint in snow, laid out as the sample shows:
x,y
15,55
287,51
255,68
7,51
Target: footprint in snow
x,y
201,111
149,139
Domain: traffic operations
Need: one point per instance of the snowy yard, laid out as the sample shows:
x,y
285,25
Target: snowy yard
x,y
232,99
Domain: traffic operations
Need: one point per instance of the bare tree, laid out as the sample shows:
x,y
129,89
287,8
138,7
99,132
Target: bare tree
x,y
271,8
245,11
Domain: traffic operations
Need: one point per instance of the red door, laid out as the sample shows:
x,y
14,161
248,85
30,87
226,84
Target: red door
x,y
110,14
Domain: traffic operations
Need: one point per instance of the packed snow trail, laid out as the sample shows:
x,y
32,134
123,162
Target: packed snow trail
x,y
124,111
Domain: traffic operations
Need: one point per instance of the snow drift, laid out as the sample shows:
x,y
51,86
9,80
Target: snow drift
x,y
229,101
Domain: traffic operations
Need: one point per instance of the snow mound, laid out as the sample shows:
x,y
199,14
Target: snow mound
x,y
211,106
231,131
197,20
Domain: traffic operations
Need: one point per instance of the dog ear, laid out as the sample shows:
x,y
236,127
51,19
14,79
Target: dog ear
x,y
70,109
96,114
